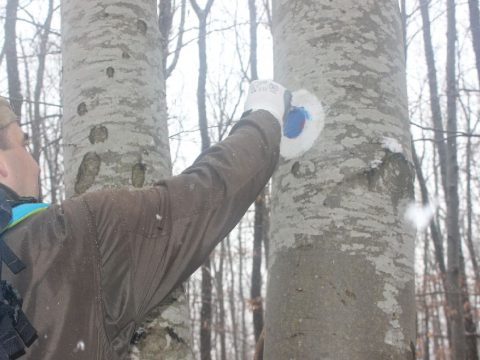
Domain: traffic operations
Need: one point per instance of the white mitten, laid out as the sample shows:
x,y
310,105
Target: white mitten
x,y
268,95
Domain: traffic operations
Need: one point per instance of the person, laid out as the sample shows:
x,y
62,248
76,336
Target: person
x,y
98,263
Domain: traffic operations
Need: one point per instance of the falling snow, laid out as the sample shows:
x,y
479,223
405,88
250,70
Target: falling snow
x,y
420,215
80,346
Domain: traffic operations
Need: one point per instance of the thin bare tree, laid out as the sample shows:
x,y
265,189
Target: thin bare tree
x,y
475,30
453,289
256,300
206,307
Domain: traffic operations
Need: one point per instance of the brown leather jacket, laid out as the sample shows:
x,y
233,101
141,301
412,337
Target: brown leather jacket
x,y
98,263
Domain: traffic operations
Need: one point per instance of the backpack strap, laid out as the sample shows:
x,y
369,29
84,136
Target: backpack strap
x,y
10,259
16,331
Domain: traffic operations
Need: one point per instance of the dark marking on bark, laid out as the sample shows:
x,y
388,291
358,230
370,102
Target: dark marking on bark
x,y
98,134
142,26
370,178
138,335
331,284
401,176
82,109
332,201
303,169
394,175
87,172
110,72
125,55
171,332
413,350
294,335
106,14
351,294
138,175
372,175
295,168
303,242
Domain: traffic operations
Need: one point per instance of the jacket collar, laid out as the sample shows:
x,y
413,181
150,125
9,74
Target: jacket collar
x,y
14,199
15,208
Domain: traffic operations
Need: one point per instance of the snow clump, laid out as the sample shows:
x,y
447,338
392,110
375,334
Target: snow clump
x,y
80,346
420,215
375,164
392,145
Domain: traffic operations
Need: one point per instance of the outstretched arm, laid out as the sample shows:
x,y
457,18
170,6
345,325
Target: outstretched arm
x,y
151,240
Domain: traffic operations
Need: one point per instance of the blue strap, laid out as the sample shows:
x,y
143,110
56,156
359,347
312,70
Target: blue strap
x,y
19,213
23,211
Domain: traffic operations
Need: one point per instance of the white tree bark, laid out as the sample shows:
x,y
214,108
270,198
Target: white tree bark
x,y
341,276
115,119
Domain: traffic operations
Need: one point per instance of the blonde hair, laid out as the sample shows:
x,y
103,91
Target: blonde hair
x,y
7,117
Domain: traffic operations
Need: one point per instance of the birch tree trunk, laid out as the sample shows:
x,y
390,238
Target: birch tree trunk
x,y
341,277
115,120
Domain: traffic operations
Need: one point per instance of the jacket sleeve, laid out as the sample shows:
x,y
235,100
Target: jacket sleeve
x,y
151,240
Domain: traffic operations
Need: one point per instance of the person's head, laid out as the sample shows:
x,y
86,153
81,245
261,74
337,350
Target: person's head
x,y
18,170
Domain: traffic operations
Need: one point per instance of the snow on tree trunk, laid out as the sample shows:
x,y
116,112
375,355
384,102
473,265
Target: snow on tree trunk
x,y
341,276
115,120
